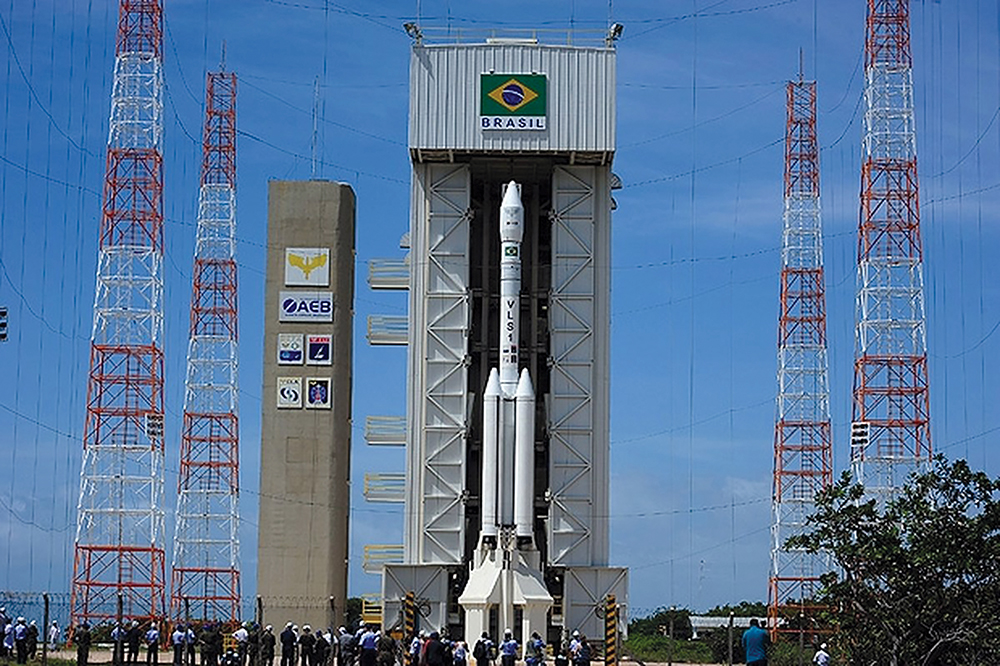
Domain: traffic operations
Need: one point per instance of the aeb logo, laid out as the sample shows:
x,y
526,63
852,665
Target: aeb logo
x,y
305,306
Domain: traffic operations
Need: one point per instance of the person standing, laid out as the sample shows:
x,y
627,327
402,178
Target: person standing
x,y
369,646
534,652
82,639
253,644
306,643
190,640
287,646
54,634
508,649
460,653
483,650
321,649
435,651
242,636
582,655
152,645
267,647
133,637
21,641
118,649
386,651
822,657
177,641
32,639
345,648
755,643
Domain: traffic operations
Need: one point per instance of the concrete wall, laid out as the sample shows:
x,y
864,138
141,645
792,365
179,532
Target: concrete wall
x,y
305,452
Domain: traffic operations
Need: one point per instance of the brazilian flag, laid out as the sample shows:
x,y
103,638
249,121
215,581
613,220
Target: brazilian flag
x,y
512,94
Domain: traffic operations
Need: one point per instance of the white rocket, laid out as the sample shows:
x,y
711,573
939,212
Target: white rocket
x,y
508,459
505,573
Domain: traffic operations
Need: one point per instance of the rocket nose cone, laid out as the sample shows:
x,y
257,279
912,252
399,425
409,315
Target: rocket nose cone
x,y
492,384
511,196
524,386
511,214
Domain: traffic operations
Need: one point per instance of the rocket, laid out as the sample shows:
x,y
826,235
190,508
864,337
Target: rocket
x,y
508,458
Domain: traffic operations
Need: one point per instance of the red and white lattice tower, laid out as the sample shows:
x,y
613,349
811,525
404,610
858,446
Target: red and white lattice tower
x,y
118,550
890,430
205,582
802,440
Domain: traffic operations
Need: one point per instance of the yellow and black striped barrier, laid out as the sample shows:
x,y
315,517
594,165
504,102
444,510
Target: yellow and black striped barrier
x,y
610,631
409,625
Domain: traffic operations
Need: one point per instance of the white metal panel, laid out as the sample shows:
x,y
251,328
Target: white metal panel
x,y
578,398
584,592
429,585
444,97
439,305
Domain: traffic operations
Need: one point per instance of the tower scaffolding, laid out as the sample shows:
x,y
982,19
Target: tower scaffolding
x,y
205,578
802,434
118,563
890,431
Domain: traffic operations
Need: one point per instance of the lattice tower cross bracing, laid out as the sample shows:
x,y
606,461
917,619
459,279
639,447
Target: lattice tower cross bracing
x,y
205,579
891,407
802,435
118,550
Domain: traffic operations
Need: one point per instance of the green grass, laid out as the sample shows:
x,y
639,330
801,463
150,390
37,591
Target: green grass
x,y
660,649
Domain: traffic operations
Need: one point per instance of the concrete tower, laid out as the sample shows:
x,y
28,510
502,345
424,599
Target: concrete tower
x,y
306,412
502,123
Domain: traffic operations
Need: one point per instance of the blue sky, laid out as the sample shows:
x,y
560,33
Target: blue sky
x,y
701,110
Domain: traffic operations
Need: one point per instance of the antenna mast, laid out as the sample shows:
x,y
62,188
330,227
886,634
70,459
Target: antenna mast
x,y
802,435
205,580
118,558
890,430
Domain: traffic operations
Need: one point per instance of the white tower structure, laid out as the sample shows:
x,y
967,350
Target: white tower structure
x,y
205,575
118,563
890,430
507,424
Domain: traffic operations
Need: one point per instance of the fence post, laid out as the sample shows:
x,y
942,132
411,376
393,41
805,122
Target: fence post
x,y
670,651
45,630
729,639
118,648
802,636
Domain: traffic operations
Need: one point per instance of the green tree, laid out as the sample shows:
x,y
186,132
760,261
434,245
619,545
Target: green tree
x,y
743,609
919,580
352,613
658,623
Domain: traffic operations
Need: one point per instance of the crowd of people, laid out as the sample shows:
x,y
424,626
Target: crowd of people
x,y
20,638
249,644
431,649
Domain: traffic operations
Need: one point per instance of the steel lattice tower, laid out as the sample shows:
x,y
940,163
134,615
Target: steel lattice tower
x,y
891,428
119,551
205,581
802,436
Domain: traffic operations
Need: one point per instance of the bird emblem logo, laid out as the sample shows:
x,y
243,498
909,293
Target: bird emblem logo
x,y
307,264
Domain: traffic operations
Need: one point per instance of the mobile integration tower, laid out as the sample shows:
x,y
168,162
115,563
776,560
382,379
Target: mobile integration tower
x,y
483,114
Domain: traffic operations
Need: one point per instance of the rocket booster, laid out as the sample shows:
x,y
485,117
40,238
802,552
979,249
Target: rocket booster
x,y
509,399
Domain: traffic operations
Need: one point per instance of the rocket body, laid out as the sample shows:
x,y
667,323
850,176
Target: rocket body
x,y
509,400
511,234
